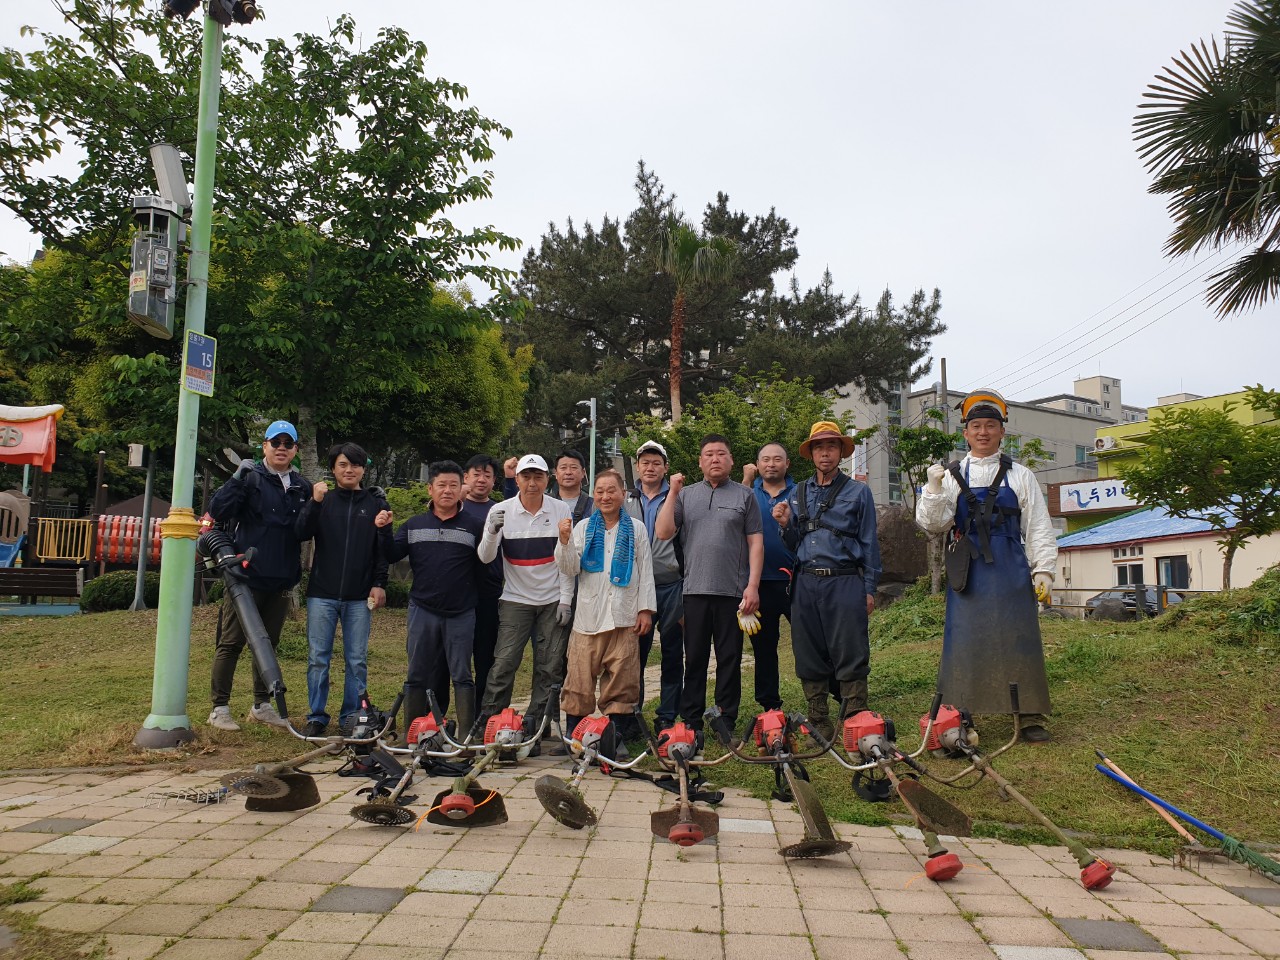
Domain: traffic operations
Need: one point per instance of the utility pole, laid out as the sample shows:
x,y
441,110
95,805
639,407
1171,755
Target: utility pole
x,y
168,726
591,419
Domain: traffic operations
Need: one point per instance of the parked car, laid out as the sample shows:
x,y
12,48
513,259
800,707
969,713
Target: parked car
x,y
1130,600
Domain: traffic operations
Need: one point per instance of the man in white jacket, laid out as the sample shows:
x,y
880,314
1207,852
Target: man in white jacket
x,y
609,553
992,506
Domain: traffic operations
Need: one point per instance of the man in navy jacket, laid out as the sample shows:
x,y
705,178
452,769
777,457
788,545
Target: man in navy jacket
x,y
263,501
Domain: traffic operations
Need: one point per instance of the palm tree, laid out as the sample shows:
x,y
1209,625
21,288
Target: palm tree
x,y
1210,135
690,259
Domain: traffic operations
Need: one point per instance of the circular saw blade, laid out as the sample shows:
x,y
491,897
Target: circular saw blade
x,y
810,849
564,803
382,813
262,786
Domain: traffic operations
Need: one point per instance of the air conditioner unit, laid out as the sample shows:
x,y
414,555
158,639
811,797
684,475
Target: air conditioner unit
x,y
1106,443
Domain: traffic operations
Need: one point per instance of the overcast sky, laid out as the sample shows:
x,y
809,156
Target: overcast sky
x,y
981,148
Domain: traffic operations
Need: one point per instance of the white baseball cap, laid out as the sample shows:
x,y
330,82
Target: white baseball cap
x,y
531,461
651,446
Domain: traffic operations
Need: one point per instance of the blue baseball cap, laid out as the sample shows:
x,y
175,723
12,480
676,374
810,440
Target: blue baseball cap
x,y
279,427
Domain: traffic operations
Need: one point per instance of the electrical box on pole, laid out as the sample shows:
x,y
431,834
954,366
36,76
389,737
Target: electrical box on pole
x,y
153,275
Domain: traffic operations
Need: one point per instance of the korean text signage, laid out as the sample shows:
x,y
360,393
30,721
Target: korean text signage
x,y
198,364
1093,495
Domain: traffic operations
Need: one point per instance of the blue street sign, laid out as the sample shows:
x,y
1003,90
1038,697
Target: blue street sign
x,y
198,363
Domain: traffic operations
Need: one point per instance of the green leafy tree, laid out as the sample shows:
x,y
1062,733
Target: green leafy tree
x,y
1205,464
340,163
1207,133
749,413
914,449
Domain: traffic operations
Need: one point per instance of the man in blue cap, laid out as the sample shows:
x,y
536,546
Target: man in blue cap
x,y
262,500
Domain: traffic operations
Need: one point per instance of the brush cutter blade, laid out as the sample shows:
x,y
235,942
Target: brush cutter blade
x,y
932,812
564,803
302,793
480,807
663,822
262,786
819,839
383,813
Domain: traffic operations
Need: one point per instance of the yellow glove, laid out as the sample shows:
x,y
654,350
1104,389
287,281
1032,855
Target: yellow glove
x,y
749,623
1043,583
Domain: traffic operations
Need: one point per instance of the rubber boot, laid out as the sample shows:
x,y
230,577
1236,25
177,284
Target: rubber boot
x,y
818,698
464,702
853,697
620,751
415,704
561,749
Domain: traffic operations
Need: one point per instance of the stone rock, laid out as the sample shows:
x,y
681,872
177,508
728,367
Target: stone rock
x,y
1113,610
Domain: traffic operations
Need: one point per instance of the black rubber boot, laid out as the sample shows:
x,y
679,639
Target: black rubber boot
x,y
415,704
853,697
620,751
561,749
464,702
818,698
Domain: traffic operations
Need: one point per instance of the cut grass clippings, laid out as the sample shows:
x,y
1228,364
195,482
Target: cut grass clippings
x,y
22,938
1189,714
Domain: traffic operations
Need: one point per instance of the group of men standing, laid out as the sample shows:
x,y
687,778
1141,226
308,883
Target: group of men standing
x,y
587,578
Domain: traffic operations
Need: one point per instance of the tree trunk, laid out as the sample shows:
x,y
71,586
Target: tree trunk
x,y
1227,556
935,564
677,355
308,451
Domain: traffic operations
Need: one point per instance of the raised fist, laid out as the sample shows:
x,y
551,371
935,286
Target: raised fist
x,y
566,529
677,483
319,490
749,473
383,518
509,467
935,473
242,471
496,519
782,513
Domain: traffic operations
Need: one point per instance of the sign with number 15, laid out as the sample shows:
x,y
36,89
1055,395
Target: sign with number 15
x,y
198,364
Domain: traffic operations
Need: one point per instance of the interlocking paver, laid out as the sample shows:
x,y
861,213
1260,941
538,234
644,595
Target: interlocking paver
x,y
842,948
683,944
578,941
358,899
1029,931
1110,935
235,923
913,927
161,919
443,880
192,948
57,825
403,928
1262,896
840,923
331,927
762,945
1196,940
82,917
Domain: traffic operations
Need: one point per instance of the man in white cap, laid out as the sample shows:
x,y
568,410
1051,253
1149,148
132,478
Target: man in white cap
x,y
537,596
263,501
991,505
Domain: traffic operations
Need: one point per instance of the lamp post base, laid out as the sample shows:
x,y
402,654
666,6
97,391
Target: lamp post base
x,y
155,738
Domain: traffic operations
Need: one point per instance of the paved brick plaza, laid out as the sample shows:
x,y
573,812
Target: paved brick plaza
x,y
180,882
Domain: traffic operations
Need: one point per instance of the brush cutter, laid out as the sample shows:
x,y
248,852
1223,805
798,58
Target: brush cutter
x,y
774,734
952,734
675,749
873,739
282,786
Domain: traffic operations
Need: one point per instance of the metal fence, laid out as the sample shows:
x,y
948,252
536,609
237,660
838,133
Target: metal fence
x,y
1156,597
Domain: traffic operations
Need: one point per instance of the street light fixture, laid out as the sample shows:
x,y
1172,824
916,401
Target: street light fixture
x,y
591,419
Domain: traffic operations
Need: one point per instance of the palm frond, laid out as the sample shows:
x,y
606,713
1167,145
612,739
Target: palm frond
x,y
1246,284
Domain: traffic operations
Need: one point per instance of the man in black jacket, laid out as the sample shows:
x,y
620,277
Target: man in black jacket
x,y
263,501
347,583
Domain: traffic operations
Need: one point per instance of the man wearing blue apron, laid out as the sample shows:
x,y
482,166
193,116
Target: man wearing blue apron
x,y
992,506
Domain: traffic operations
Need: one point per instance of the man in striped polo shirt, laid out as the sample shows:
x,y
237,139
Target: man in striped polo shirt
x,y
536,596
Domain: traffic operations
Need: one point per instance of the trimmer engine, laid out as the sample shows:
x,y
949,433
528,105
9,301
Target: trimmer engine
x,y
369,720
771,733
678,740
952,732
506,729
425,732
869,735
597,734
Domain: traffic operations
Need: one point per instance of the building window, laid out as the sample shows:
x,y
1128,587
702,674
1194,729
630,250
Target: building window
x,y
1106,388
1137,549
1128,574
1107,404
1173,572
1082,454
1074,406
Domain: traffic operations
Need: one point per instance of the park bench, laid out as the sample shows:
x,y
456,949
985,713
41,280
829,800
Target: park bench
x,y
32,582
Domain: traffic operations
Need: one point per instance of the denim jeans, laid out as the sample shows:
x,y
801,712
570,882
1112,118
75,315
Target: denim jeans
x,y
322,620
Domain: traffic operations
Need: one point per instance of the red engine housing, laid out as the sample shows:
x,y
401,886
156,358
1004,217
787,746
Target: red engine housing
x,y
422,728
506,728
865,730
677,738
590,730
770,730
947,730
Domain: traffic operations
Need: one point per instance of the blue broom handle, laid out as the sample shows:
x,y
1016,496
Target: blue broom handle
x,y
1216,834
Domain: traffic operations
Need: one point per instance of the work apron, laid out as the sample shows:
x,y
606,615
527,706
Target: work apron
x,y
992,635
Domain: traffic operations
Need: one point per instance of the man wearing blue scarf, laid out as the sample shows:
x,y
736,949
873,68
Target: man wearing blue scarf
x,y
609,553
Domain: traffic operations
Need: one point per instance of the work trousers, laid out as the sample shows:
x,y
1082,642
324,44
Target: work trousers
x,y
775,603
711,621
517,622
273,607
671,643
613,658
486,640
435,642
829,628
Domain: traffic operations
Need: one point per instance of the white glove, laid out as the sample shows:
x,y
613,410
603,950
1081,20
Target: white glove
x,y
564,615
1043,583
245,468
749,623
496,519
936,472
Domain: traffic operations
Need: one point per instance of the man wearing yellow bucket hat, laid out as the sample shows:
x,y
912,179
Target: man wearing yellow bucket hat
x,y
829,523
992,505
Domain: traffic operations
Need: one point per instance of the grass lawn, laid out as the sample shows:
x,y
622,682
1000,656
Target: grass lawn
x,y
1188,705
